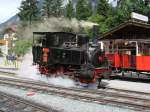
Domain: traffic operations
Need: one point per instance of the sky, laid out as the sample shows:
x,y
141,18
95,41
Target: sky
x,y
8,8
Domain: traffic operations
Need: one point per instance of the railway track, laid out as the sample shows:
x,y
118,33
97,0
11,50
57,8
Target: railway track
x,y
132,79
138,101
10,103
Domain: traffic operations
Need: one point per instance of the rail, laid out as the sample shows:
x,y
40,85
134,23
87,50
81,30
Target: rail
x,y
121,98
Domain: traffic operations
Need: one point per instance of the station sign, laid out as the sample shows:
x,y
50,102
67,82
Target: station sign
x,y
139,17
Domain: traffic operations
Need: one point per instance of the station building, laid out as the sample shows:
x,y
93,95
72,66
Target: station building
x,y
7,39
128,46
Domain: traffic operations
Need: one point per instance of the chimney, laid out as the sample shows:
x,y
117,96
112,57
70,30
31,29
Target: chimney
x,y
95,33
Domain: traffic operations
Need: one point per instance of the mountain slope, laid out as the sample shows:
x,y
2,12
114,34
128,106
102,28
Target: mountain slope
x,y
15,19
12,21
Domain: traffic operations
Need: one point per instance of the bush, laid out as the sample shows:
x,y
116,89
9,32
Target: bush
x,y
21,47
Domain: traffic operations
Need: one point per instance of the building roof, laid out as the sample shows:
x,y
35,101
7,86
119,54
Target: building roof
x,y
128,30
43,33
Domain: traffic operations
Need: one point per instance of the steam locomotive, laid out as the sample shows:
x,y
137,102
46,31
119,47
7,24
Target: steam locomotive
x,y
62,53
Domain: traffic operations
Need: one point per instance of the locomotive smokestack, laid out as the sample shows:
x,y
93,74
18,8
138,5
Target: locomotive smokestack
x,y
95,34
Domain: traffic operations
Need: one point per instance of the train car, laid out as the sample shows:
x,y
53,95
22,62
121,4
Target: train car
x,y
62,53
127,47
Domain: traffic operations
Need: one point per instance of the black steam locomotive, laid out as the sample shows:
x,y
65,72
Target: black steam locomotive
x,y
61,53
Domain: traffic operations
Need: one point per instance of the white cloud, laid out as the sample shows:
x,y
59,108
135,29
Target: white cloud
x,y
8,8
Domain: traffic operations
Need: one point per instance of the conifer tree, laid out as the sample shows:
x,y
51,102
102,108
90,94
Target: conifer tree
x,y
103,8
58,9
52,8
29,11
47,8
70,10
82,10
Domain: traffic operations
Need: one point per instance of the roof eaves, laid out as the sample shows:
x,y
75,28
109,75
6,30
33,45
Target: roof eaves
x,y
130,22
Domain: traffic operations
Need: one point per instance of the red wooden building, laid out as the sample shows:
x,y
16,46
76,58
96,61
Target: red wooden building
x,y
128,46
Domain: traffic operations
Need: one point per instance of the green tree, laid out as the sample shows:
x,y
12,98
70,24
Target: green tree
x,y
102,15
29,11
69,10
96,18
147,2
47,7
123,12
83,11
103,8
22,47
58,8
52,8
108,16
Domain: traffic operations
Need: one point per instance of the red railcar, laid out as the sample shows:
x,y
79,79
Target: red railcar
x,y
128,47
130,62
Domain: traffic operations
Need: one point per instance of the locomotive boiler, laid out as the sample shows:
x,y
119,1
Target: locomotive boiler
x,y
62,53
